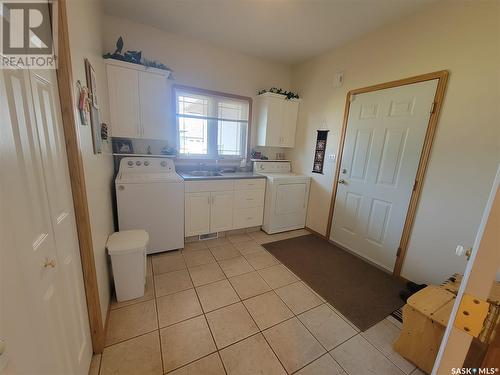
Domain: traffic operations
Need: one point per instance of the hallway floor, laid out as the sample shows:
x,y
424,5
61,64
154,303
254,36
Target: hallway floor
x,y
227,306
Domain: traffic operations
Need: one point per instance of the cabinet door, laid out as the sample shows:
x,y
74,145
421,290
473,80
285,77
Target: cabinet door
x,y
153,105
274,121
123,87
289,123
197,214
221,214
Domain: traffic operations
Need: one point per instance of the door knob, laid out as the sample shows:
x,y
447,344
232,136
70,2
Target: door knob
x,y
462,250
49,263
341,181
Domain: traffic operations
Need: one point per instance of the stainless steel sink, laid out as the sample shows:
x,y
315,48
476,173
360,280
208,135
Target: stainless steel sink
x,y
204,173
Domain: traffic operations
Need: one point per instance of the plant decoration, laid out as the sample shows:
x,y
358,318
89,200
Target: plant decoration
x,y
275,90
134,57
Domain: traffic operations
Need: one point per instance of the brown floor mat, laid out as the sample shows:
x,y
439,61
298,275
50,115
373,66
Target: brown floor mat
x,y
361,292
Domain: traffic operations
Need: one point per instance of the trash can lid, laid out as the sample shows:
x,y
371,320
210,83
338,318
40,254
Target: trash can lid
x,y
127,241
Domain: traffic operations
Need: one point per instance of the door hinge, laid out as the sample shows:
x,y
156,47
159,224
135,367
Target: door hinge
x,y
477,317
433,107
415,185
398,253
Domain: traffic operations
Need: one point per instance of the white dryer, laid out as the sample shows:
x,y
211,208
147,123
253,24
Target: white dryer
x,y
150,196
287,196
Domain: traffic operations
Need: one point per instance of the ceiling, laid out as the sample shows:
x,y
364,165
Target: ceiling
x,y
287,31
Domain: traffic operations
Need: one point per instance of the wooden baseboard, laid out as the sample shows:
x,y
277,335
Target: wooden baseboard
x,y
316,233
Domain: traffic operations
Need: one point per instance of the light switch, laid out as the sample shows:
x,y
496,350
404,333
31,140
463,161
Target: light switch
x,y
338,79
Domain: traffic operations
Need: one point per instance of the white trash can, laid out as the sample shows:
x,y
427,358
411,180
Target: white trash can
x,y
128,259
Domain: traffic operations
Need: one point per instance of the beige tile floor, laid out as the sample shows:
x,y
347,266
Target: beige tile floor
x,y
227,306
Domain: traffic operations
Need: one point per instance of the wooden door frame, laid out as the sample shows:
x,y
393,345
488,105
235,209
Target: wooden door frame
x,y
442,77
77,179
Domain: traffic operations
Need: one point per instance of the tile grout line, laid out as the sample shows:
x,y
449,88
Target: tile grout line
x,y
381,352
264,336
242,301
157,317
208,325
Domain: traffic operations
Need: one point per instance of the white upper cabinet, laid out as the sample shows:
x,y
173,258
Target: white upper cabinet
x,y
138,98
276,119
124,102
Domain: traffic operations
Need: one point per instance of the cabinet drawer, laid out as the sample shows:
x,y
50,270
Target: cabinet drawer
x,y
247,217
216,185
249,198
250,184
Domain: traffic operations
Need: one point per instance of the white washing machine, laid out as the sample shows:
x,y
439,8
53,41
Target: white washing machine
x,y
287,196
150,196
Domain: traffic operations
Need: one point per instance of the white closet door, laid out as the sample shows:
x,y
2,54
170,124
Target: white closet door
x,y
384,139
25,197
123,85
153,105
55,167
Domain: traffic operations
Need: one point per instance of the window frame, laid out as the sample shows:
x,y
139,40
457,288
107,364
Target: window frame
x,y
201,91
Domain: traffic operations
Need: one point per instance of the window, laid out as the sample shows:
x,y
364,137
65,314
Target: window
x,y
212,125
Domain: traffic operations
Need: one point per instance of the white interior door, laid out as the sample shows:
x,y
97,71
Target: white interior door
x,y
37,214
54,161
384,139
483,268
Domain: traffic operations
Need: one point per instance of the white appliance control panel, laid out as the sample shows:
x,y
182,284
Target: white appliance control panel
x,y
272,167
146,165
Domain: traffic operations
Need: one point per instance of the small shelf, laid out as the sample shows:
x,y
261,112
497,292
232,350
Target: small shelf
x,y
146,155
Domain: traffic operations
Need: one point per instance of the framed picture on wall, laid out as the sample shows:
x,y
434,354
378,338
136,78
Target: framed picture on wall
x,y
319,152
122,146
94,107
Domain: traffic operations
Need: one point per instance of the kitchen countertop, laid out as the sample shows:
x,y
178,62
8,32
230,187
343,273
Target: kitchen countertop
x,y
225,176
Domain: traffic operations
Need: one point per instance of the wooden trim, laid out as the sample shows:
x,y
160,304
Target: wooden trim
x,y
215,93
106,323
77,179
316,233
339,162
442,77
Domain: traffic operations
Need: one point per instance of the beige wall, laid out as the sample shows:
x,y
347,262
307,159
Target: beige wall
x,y
195,63
460,37
85,34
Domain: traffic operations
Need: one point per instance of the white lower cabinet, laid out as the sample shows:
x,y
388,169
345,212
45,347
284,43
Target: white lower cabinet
x,y
221,205
221,211
197,213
